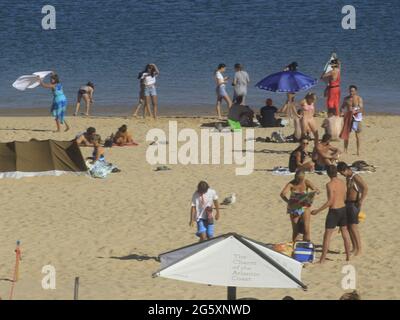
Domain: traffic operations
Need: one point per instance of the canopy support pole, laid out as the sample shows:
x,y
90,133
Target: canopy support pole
x,y
76,288
231,293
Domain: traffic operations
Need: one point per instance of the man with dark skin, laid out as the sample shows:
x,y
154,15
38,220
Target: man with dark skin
x,y
357,191
325,154
336,193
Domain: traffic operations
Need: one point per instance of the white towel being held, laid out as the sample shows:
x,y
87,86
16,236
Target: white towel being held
x,y
29,81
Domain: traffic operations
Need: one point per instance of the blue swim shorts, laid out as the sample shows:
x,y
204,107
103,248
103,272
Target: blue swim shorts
x,y
204,227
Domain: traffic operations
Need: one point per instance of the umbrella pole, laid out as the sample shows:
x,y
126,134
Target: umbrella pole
x,y
231,293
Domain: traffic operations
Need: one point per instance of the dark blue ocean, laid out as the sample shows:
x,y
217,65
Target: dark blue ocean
x,y
109,42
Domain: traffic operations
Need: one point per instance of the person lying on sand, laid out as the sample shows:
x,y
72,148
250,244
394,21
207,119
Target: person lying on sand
x,y
337,216
298,188
122,136
86,138
324,153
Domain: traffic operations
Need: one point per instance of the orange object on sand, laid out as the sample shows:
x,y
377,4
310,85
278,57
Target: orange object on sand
x,y
361,216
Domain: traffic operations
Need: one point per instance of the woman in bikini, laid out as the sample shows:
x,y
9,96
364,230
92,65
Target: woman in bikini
x,y
297,207
85,92
307,121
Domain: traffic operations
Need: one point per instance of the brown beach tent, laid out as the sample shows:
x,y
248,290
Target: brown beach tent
x,y
40,158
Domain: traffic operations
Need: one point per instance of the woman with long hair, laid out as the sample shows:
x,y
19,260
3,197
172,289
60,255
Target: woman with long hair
x,y
221,81
299,211
59,105
150,93
332,91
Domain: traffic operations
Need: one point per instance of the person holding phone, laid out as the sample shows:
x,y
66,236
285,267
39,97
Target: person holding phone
x,y
221,82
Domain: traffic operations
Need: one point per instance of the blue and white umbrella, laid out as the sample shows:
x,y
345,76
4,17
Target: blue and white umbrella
x,y
287,81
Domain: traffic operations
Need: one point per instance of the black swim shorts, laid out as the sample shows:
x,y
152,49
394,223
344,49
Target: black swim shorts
x,y
352,212
336,218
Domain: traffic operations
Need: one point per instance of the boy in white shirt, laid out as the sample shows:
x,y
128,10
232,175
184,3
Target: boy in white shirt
x,y
203,201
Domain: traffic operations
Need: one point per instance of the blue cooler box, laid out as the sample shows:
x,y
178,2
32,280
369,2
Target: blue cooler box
x,y
304,251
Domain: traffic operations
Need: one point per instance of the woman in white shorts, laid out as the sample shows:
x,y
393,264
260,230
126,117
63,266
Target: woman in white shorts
x,y
221,81
150,93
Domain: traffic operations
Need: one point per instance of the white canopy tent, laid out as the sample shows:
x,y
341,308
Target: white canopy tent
x,y
231,260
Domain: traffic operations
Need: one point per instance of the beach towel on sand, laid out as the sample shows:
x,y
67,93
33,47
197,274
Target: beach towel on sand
x,y
29,81
100,169
281,171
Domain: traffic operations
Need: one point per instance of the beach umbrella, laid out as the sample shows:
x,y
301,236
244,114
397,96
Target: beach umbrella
x,y
286,81
231,260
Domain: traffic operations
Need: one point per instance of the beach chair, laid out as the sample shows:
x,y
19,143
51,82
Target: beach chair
x,y
234,125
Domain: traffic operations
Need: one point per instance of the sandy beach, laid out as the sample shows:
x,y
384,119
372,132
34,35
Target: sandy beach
x,y
108,232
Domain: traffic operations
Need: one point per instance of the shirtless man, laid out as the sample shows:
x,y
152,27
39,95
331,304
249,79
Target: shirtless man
x,y
336,191
333,125
324,153
354,108
86,138
357,191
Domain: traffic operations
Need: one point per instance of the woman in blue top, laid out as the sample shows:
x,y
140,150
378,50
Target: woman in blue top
x,y
59,106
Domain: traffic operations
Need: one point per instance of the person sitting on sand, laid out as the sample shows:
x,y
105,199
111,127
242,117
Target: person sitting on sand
x,y
85,92
298,187
201,212
300,158
267,115
98,152
122,136
357,191
333,125
86,138
241,113
324,153
337,216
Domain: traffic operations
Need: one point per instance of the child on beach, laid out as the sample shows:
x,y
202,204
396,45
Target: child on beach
x,y
203,201
298,205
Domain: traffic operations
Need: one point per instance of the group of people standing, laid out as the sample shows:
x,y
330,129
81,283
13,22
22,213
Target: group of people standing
x,y
344,200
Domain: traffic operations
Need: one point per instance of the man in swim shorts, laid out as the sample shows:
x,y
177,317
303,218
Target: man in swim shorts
x,y
357,190
337,215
